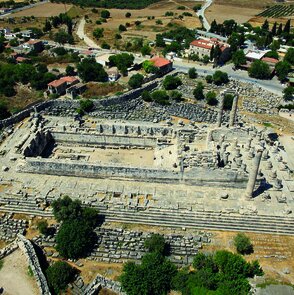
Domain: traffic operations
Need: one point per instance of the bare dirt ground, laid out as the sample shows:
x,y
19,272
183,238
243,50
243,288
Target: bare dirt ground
x,y
44,10
148,28
275,253
24,97
14,276
223,12
246,3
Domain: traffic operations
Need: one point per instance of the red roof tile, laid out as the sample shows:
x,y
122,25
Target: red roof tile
x,y
160,61
69,79
270,60
56,83
202,44
32,42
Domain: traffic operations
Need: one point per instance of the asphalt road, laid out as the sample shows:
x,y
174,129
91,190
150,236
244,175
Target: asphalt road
x,y
273,85
201,12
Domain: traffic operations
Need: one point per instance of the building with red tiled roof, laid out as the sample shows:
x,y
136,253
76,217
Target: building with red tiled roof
x,y
163,64
21,59
36,45
270,61
59,86
202,47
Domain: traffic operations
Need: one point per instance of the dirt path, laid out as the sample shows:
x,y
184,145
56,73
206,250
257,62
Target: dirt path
x,y
14,277
81,34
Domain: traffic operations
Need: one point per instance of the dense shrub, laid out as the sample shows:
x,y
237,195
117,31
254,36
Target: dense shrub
x,y
171,82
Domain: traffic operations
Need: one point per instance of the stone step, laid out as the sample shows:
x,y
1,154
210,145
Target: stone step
x,y
202,224
288,222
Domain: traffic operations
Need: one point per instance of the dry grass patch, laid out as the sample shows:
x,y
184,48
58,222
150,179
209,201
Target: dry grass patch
x,y
23,98
102,89
148,28
274,252
44,10
223,12
90,269
258,20
3,244
246,3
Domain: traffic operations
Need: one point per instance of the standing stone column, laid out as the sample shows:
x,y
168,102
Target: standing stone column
x,y
253,173
220,111
233,111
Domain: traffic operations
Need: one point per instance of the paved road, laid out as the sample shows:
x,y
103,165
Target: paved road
x,y
23,8
201,12
273,85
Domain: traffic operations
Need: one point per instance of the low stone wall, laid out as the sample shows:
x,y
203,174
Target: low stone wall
x,y
102,282
27,247
8,249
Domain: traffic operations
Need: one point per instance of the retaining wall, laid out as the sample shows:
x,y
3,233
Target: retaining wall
x,y
196,176
27,247
73,104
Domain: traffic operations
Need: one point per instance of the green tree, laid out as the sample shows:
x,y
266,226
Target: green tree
x,y
42,226
289,56
280,29
198,91
176,95
128,14
75,238
89,70
153,276
274,29
205,59
275,45
146,96
272,54
65,208
211,98
47,26
70,71
59,275
265,25
228,101
86,105
149,67
259,70
122,61
155,243
105,14
122,28
136,81
146,50
287,26
171,82
98,33
239,58
63,37
209,79
282,69
160,96
288,93
220,77
243,244
192,73
4,112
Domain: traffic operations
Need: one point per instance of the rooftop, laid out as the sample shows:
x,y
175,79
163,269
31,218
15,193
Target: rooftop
x,y
160,61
